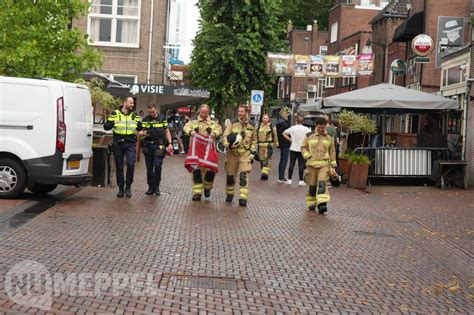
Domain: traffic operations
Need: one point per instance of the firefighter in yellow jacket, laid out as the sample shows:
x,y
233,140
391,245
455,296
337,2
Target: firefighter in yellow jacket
x,y
240,137
266,140
203,125
320,155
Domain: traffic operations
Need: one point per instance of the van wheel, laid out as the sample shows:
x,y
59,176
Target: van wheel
x,y
13,178
42,188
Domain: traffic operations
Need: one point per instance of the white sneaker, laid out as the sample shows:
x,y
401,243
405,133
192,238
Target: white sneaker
x,y
289,182
301,183
282,180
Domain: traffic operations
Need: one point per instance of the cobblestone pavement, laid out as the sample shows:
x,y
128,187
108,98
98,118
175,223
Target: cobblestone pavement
x,y
389,250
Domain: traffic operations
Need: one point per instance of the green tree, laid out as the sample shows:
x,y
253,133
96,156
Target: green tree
x,y
231,49
304,12
38,40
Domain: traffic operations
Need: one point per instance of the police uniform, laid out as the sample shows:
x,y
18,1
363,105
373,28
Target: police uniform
x,y
153,146
239,159
125,127
203,178
266,139
320,155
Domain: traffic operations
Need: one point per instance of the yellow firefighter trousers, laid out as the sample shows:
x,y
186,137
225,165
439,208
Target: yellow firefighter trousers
x,y
265,160
317,191
238,166
202,178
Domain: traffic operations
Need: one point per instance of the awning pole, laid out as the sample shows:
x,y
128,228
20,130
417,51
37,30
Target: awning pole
x,y
383,127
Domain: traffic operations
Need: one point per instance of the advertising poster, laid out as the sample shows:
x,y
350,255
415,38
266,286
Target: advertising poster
x,y
450,36
331,66
366,64
301,65
280,64
316,66
349,66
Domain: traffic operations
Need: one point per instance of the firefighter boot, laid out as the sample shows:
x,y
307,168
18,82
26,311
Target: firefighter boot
x,y
322,207
196,197
242,202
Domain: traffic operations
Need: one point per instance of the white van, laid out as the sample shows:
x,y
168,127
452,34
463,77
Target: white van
x,y
45,135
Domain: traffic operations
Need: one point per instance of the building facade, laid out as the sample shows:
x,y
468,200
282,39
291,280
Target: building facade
x,y
349,34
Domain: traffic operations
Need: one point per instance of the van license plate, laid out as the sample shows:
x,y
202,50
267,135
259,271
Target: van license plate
x,y
73,164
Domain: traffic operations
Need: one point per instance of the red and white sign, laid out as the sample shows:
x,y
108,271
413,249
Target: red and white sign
x,y
422,45
184,110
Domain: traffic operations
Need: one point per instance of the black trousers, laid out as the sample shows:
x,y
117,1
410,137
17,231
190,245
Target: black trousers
x,y
124,150
154,165
293,157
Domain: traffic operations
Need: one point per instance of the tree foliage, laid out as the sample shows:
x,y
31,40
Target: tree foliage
x,y
304,12
231,48
38,40
99,95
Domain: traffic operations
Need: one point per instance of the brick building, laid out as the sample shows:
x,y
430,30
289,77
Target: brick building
x,y
133,37
304,42
349,33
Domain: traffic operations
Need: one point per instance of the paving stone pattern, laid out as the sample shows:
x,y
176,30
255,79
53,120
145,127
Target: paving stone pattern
x,y
392,250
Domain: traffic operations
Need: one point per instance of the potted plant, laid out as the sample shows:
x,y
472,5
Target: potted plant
x,y
359,171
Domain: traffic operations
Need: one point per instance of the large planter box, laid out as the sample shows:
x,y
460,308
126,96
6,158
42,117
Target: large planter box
x,y
358,177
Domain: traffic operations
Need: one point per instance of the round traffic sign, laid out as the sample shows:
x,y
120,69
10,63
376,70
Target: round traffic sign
x,y
257,98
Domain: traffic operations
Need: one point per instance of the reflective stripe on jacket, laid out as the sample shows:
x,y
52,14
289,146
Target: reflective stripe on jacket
x,y
318,150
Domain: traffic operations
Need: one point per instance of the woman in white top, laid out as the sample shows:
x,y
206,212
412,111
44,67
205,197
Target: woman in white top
x,y
296,134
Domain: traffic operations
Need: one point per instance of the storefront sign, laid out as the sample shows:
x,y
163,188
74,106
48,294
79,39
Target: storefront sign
x,y
422,45
168,90
398,67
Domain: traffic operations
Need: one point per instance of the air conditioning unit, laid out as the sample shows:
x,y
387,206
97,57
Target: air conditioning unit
x,y
312,88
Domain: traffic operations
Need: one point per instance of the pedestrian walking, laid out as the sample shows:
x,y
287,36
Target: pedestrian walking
x,y
296,135
185,137
203,166
125,124
155,145
282,124
240,137
266,140
319,152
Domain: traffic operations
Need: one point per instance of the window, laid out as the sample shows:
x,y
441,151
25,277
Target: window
x,y
383,3
366,3
323,50
346,81
124,78
115,22
334,29
330,81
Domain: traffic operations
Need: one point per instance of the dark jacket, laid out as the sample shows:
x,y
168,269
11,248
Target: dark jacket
x,y
155,128
281,126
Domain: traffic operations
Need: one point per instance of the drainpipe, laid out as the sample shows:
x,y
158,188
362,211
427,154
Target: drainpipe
x,y
150,40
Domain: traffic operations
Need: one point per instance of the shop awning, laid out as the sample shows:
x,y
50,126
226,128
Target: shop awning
x,y
392,97
115,88
412,27
314,106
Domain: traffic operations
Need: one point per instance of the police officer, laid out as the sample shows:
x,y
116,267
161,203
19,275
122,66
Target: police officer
x,y
125,123
320,155
266,139
240,137
153,146
203,177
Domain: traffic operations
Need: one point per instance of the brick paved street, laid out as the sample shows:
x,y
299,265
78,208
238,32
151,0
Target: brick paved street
x,y
393,249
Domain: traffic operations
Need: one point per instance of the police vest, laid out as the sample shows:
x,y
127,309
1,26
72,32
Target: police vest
x,y
124,124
